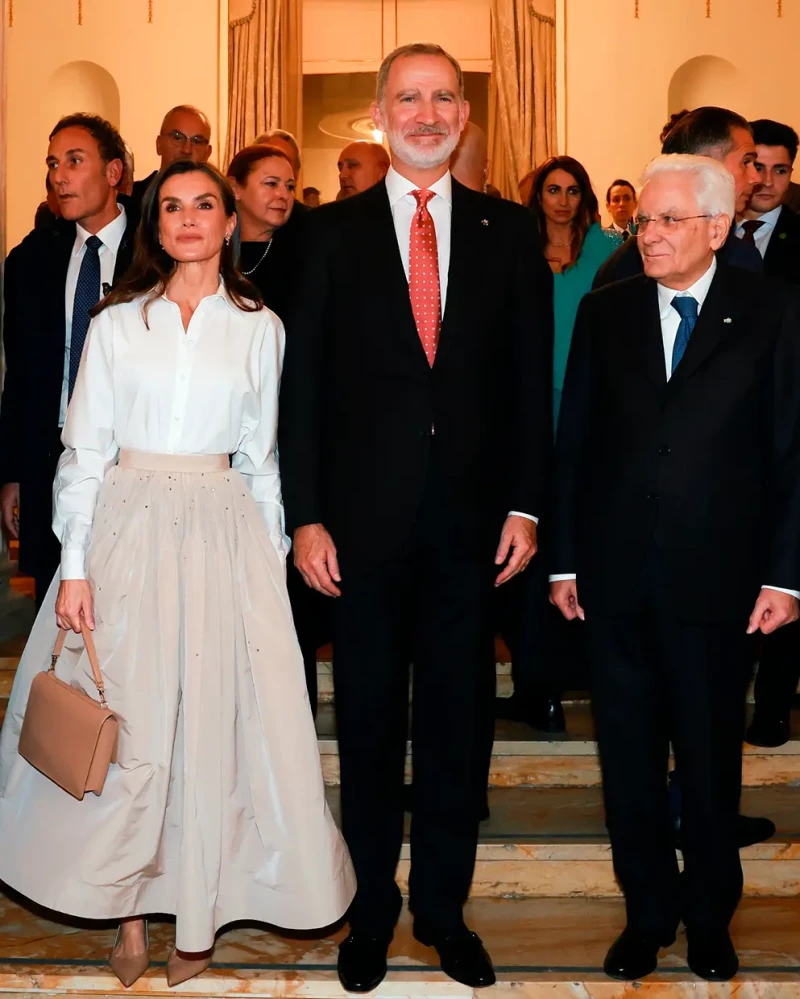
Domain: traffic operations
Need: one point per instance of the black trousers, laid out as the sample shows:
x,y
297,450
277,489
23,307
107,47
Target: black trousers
x,y
433,601
778,670
311,612
39,548
656,680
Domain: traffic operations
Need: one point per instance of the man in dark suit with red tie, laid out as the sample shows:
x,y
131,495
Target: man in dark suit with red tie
x,y
53,278
677,535
415,439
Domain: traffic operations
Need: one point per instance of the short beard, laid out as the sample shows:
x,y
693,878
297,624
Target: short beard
x,y
422,157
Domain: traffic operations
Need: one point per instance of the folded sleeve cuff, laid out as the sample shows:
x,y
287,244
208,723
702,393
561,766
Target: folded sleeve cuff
x,y
73,562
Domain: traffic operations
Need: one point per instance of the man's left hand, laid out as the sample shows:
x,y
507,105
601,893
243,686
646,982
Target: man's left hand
x,y
773,610
519,538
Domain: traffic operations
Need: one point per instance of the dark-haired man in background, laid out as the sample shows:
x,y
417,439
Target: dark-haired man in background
x,y
53,278
725,136
621,206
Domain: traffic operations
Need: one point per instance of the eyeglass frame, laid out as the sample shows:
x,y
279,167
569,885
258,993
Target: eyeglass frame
x,y
642,221
178,137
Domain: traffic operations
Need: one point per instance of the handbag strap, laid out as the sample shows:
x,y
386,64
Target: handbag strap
x,y
91,652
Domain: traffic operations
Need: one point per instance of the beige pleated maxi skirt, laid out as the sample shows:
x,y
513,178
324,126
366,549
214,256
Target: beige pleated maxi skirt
x,y
216,808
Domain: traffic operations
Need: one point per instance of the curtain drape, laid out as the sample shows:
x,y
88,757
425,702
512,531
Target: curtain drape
x,y
265,70
522,116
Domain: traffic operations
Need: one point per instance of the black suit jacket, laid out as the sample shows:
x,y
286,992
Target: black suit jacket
x,y
358,398
782,258
278,274
707,464
34,333
626,261
140,189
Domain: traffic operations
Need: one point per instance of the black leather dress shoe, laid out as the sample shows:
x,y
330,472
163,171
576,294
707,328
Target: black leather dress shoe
x,y
750,829
362,962
462,955
769,729
633,955
711,955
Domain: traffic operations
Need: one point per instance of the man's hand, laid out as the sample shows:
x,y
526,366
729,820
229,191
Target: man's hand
x,y
74,605
519,538
315,557
9,508
564,595
773,610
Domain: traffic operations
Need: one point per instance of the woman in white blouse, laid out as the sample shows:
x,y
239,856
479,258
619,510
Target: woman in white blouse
x,y
174,556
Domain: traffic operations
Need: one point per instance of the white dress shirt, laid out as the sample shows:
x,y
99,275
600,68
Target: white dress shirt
x,y
212,389
404,207
670,321
110,236
763,235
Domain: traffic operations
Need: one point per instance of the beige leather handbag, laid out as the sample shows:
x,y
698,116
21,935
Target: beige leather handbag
x,y
67,735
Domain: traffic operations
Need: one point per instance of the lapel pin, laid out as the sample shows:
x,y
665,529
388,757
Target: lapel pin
x,y
484,221
727,320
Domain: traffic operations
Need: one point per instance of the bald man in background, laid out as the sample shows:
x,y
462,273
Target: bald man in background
x,y
361,166
469,163
185,135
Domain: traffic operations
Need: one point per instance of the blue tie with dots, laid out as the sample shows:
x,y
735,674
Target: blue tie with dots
x,y
686,307
87,295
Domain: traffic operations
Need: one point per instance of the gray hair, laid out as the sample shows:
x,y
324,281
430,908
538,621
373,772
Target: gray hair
x,y
713,184
413,49
280,133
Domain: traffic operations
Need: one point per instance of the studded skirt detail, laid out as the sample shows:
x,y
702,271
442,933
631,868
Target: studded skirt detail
x,y
215,810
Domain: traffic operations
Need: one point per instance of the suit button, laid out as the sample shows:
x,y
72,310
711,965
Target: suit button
x,y
664,451
652,496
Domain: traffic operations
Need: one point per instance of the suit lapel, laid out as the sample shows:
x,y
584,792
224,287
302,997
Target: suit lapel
x,y
716,320
62,239
645,327
780,244
463,230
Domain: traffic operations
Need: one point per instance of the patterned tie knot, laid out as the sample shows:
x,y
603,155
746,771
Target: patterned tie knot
x,y
751,226
94,243
423,197
685,306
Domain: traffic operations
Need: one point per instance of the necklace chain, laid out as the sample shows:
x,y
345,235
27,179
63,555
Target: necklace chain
x,y
260,261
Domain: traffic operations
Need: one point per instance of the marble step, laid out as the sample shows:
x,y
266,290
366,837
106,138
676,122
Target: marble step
x,y
524,757
552,842
542,949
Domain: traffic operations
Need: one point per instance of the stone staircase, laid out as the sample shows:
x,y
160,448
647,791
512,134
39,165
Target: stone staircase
x,y
544,896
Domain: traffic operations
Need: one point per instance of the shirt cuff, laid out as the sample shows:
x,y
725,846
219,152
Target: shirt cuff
x,y
560,576
72,563
527,516
781,589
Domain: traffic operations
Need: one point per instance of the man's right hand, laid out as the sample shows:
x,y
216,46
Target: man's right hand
x,y
315,557
564,595
9,508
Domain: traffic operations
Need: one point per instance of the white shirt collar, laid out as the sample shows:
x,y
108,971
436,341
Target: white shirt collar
x,y
398,186
110,235
221,293
768,219
617,228
699,291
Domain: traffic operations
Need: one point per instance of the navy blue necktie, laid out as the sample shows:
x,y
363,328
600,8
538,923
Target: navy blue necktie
x,y
686,307
87,295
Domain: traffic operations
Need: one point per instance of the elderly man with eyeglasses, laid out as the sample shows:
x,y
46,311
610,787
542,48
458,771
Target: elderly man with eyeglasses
x,y
185,135
677,536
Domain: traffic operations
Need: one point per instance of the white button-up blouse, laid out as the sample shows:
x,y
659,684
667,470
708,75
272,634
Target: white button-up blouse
x,y
211,389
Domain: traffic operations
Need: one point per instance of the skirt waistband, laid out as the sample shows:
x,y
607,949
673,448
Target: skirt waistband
x,y
146,461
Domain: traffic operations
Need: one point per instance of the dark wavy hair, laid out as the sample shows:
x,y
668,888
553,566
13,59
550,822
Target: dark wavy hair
x,y
110,144
152,266
587,209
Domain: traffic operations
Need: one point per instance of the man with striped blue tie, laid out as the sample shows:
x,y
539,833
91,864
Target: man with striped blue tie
x,y
678,535
53,279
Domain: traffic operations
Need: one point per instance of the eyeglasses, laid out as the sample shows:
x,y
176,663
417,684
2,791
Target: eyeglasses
x,y
179,138
664,223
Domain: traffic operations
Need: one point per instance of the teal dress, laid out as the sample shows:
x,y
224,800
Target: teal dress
x,y
568,290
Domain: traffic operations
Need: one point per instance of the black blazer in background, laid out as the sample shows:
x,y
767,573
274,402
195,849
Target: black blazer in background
x,y
358,398
626,261
140,189
279,273
782,258
707,464
34,332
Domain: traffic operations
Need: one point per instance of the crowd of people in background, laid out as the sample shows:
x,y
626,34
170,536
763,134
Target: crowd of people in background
x,y
402,466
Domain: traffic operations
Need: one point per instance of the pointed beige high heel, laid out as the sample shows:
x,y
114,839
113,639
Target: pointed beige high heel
x,y
181,969
130,969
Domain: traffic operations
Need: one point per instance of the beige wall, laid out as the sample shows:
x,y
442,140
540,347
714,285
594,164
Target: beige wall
x,y
619,72
142,69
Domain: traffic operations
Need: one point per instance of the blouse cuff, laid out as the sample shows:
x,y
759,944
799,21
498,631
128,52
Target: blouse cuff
x,y
73,563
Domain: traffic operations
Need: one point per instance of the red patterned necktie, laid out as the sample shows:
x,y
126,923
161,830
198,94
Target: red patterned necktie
x,y
749,229
423,276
